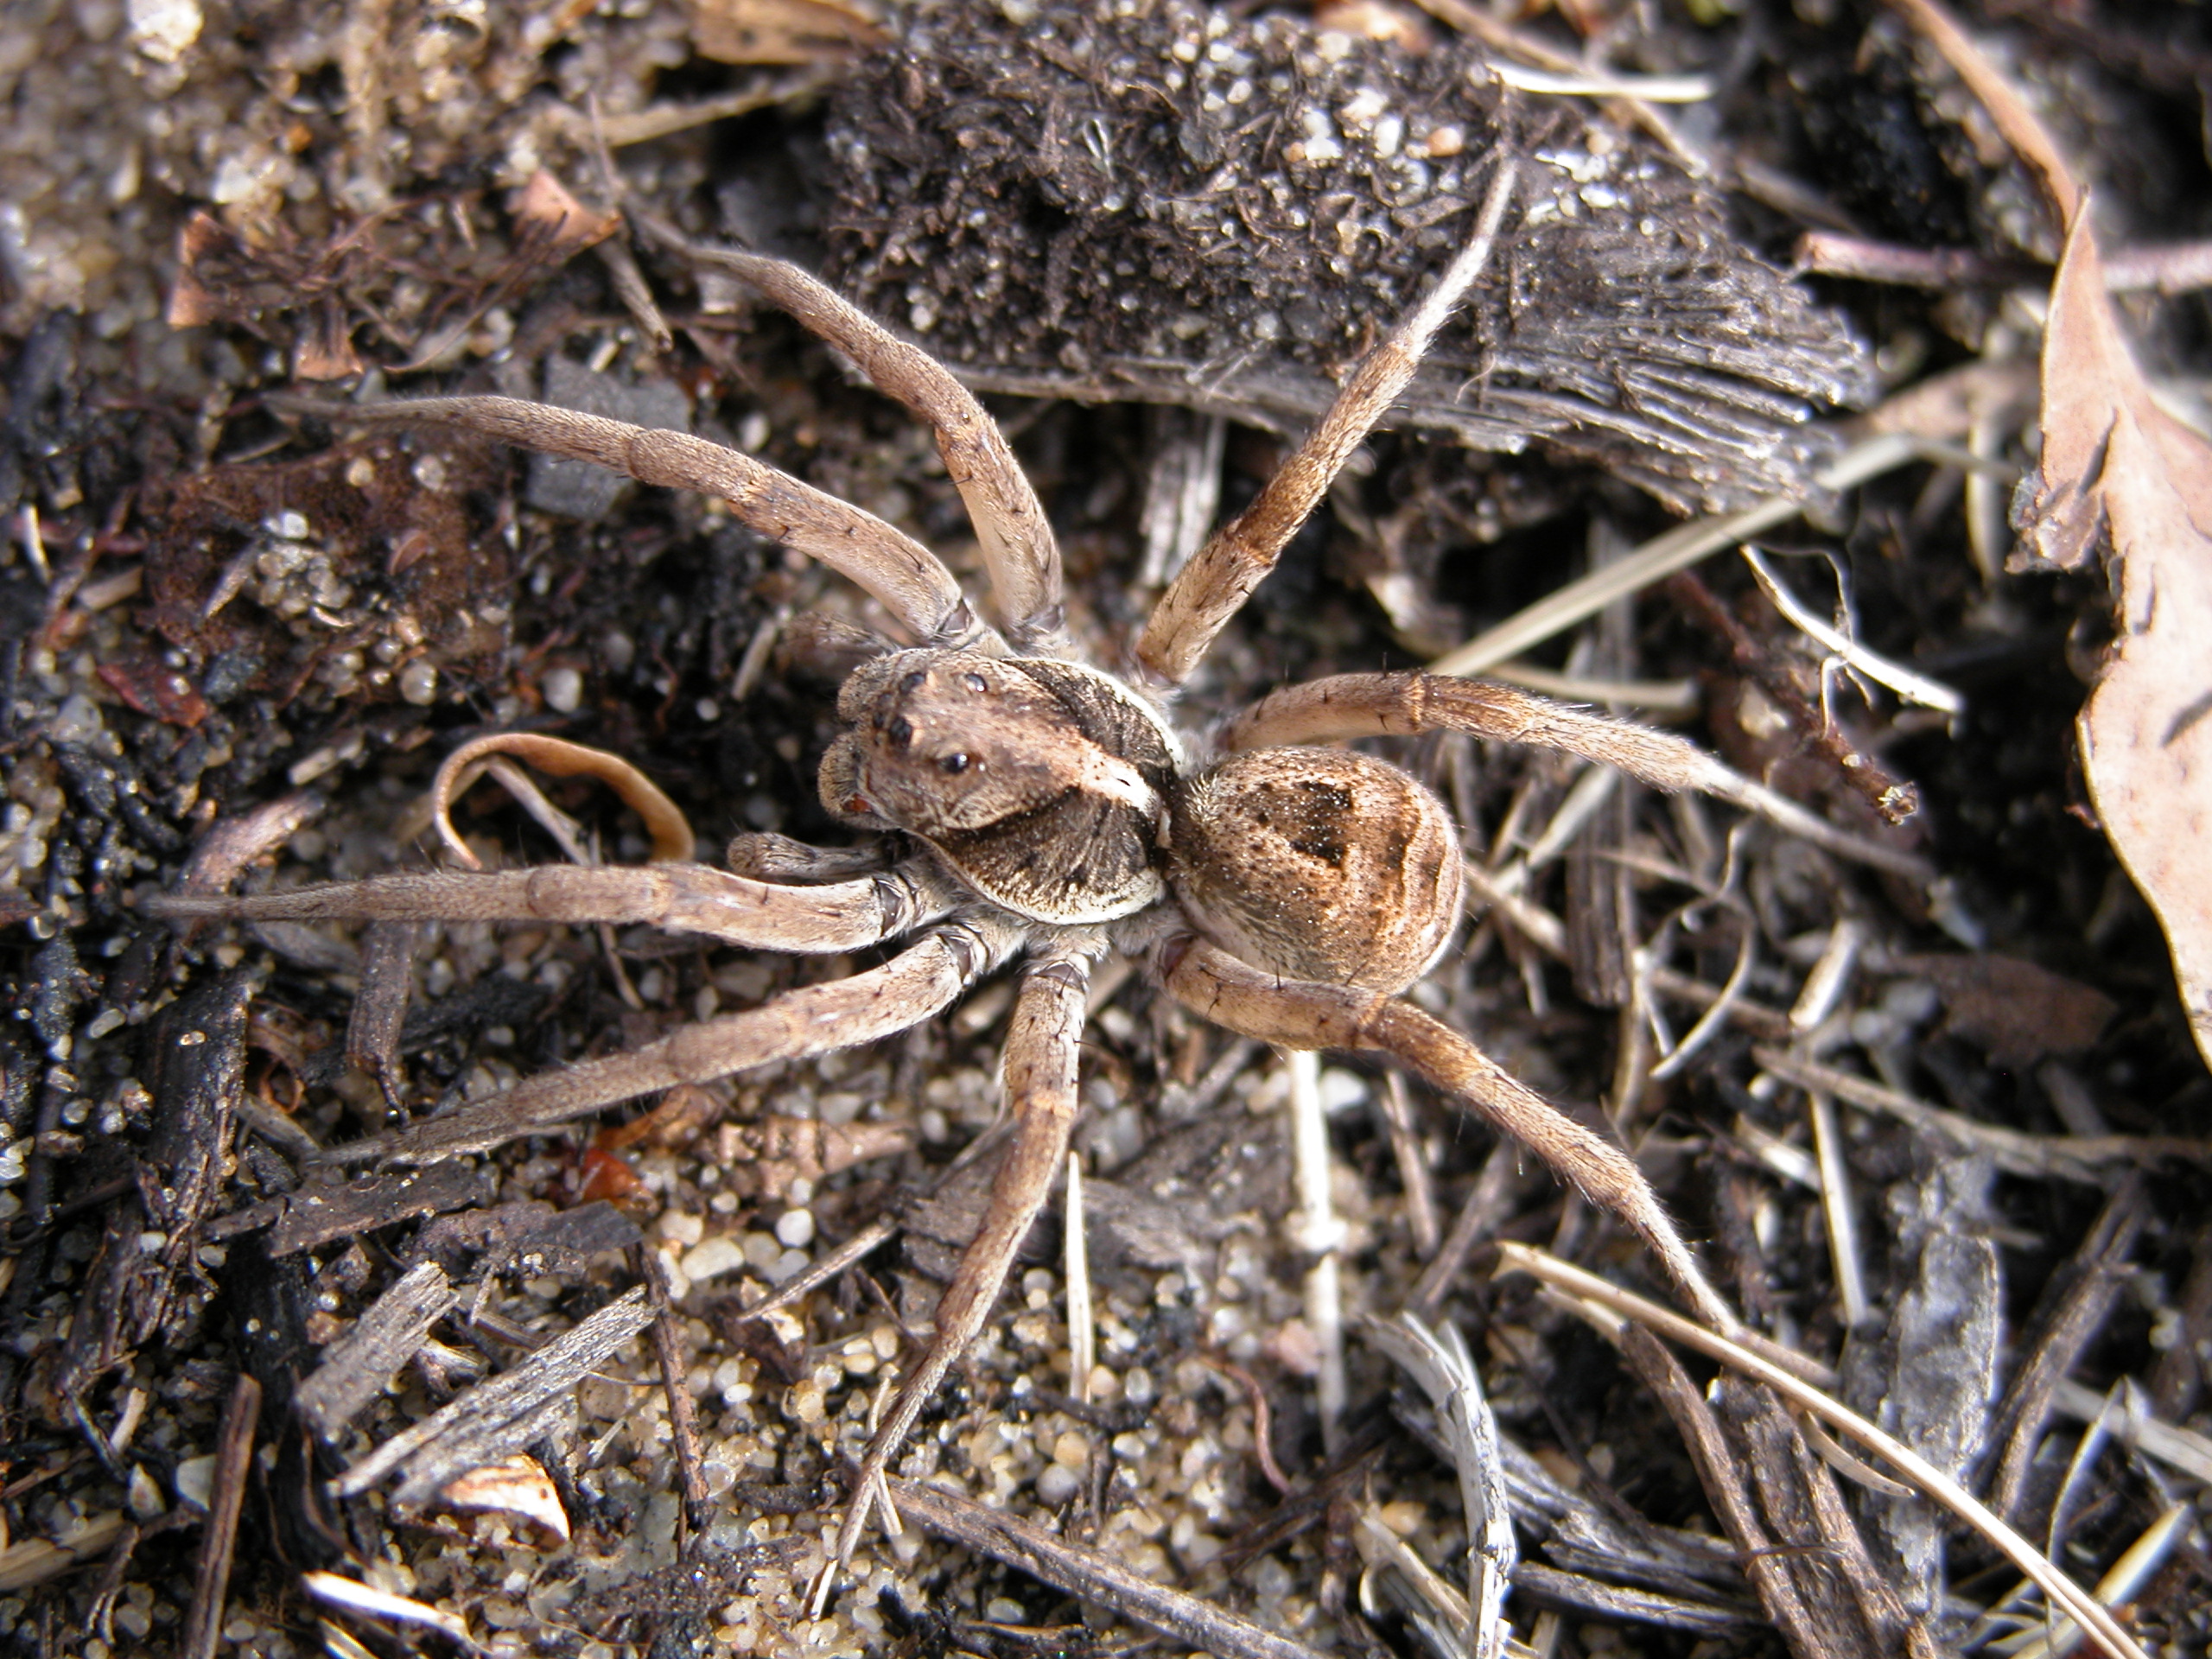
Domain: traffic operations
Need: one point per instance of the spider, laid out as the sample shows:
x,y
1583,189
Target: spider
x,y
1051,811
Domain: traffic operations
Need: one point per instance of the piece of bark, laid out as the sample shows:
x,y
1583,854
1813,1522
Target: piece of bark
x,y
197,1049
499,1417
1224,258
359,1366
2075,1308
1930,1377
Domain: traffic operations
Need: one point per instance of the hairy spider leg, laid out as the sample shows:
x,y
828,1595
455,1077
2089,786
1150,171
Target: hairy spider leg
x,y
1019,552
1300,1015
1221,575
917,984
1043,1040
1397,705
905,577
911,986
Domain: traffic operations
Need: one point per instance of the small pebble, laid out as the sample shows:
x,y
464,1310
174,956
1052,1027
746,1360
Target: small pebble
x,y
418,683
796,1229
195,1479
1058,1484
717,1256
564,690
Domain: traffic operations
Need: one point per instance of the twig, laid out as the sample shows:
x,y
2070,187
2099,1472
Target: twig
x,y
1413,1166
683,1410
1091,1574
211,1583
1835,1208
1913,688
1894,799
1609,1308
1677,549
1446,1373
2175,1446
497,1417
2063,1157
1082,1325
876,1232
2087,1286
1477,1217
2128,1575
1320,1233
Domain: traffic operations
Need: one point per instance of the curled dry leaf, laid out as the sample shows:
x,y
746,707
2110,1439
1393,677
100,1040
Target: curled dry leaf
x,y
516,1487
672,840
2118,472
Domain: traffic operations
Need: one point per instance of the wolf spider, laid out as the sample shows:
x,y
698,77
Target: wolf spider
x,y
1286,891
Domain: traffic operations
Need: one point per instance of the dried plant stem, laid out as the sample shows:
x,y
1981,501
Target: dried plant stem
x,y
1082,1328
1320,1231
1677,549
1609,1309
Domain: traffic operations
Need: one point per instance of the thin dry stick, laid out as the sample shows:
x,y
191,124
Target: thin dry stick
x,y
211,1583
683,1410
1319,1232
795,1288
2017,1151
1413,1166
1608,1308
1677,549
1082,1328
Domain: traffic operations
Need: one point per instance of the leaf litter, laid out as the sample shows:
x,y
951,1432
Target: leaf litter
x,y
325,661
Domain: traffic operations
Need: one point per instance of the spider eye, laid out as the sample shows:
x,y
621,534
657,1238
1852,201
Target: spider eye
x,y
900,731
955,764
975,682
915,681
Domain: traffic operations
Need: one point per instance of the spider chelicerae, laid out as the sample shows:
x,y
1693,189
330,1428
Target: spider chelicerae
x,y
1054,810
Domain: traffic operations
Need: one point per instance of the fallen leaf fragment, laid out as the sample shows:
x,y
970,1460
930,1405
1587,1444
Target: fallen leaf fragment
x,y
554,224
2014,1011
516,1487
2119,473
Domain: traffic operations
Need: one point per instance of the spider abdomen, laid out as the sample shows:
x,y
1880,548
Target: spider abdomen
x,y
1318,864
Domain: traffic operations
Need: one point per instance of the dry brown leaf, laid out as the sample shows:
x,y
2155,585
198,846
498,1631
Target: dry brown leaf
x,y
2118,471
518,1488
2014,1011
554,224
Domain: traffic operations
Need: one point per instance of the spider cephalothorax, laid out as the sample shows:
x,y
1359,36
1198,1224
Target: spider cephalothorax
x,y
1286,891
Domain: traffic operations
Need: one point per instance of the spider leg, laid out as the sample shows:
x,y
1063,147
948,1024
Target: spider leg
x,y
914,986
683,898
908,580
1040,1085
1221,575
1302,1014
1019,552
1376,705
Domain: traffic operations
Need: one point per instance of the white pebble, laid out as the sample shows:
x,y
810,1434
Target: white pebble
x,y
717,1256
796,1229
564,690
195,1480
418,681
1058,1484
